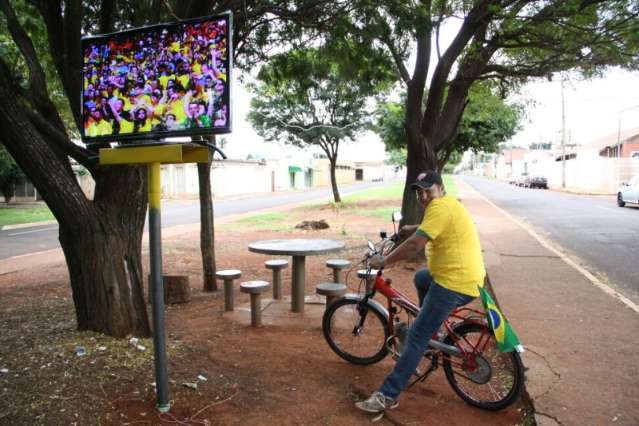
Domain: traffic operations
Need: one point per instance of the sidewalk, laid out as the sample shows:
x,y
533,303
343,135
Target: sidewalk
x,y
581,343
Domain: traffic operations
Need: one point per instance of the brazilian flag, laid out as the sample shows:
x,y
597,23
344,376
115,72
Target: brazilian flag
x,y
507,340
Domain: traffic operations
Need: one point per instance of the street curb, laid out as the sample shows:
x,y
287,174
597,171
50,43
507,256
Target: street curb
x,y
28,225
545,243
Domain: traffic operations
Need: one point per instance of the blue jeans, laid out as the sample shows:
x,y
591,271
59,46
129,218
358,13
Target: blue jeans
x,y
436,305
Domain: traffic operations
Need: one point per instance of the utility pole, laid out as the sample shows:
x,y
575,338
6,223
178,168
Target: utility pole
x,y
563,137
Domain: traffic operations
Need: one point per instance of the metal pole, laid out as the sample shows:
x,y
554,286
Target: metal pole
x,y
618,135
157,285
563,137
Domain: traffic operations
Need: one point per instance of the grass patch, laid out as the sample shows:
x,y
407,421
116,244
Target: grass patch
x,y
14,216
388,192
382,212
270,221
451,187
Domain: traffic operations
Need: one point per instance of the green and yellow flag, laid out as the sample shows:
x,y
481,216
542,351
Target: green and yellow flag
x,y
507,340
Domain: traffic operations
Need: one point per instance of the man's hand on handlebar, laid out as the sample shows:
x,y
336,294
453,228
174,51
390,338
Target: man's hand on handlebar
x,y
377,261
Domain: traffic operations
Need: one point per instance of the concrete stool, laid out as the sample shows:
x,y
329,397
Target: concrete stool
x,y
228,276
370,278
337,265
332,291
255,289
277,265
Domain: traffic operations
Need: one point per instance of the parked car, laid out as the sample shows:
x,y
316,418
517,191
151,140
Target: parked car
x,y
521,179
536,181
628,192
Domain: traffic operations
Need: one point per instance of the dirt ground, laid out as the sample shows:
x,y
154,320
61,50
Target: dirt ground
x,y
282,373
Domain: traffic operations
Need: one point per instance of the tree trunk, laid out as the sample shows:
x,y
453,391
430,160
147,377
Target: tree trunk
x,y
101,239
417,160
8,191
106,275
336,196
207,229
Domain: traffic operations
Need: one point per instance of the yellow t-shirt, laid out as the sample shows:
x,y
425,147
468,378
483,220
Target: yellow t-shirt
x,y
177,107
158,109
146,127
101,128
453,251
126,126
164,80
184,80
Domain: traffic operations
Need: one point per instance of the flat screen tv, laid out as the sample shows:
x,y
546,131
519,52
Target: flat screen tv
x,y
159,81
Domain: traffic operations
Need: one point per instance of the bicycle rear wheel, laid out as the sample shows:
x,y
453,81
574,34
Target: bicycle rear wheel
x,y
356,332
491,380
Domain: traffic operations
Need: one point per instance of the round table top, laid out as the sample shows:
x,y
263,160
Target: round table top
x,y
296,247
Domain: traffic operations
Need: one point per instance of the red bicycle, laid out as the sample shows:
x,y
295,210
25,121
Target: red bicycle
x,y
362,331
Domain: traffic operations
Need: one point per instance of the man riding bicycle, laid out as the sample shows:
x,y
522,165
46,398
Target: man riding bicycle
x,y
453,277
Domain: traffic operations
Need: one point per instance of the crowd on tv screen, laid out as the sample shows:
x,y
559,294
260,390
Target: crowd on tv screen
x,y
171,79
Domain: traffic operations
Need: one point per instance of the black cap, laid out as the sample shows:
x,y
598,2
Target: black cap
x,y
426,180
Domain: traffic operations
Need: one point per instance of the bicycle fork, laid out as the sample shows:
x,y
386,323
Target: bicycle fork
x,y
362,309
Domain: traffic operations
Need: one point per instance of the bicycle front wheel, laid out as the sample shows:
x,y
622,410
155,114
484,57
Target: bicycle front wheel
x,y
491,380
356,332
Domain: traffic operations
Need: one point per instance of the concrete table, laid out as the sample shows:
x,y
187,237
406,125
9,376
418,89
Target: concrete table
x,y
298,249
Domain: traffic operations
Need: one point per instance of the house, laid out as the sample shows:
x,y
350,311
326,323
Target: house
x,y
511,163
621,145
344,172
599,166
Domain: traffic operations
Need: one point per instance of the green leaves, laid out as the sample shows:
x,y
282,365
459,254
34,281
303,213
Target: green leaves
x,y
317,96
10,174
487,121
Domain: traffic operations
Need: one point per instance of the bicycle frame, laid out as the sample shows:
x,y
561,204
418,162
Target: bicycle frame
x,y
395,298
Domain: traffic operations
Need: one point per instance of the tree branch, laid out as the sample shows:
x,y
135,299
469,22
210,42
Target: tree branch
x,y
81,155
106,16
477,17
37,79
64,40
399,62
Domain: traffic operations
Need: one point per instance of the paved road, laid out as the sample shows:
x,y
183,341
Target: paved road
x,y
592,228
22,241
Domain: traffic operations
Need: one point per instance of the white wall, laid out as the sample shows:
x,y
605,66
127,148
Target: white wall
x,y
591,173
235,178
538,162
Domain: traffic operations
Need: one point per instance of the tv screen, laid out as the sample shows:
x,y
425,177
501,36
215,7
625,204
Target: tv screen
x,y
158,81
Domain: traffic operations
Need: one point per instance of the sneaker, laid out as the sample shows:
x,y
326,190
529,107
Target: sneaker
x,y
377,403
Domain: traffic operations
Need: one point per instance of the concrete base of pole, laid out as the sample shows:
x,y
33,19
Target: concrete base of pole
x,y
229,297
277,284
297,292
256,310
255,289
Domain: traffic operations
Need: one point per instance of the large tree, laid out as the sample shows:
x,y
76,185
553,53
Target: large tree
x,y
317,97
487,121
505,41
101,238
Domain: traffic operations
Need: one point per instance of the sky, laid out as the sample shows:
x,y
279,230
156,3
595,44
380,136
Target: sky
x,y
593,108
245,141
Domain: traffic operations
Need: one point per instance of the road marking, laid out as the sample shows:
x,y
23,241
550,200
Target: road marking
x,y
33,231
594,280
